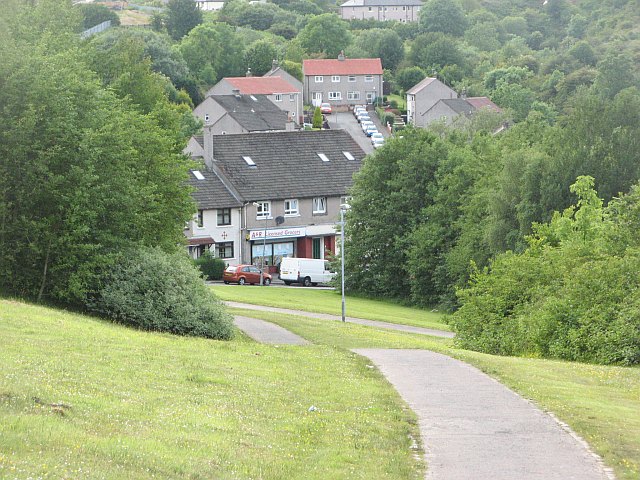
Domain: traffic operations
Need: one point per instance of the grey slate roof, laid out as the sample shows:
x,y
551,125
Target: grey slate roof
x,y
287,163
459,105
382,3
255,113
211,192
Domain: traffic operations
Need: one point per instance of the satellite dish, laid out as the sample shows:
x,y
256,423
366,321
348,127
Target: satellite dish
x,y
279,220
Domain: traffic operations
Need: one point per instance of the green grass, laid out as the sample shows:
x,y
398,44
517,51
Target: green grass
x,y
83,398
402,101
329,301
600,403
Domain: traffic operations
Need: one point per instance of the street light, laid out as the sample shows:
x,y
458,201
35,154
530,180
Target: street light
x,y
343,209
264,243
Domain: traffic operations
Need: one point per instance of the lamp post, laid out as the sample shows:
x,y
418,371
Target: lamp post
x,y
343,209
264,244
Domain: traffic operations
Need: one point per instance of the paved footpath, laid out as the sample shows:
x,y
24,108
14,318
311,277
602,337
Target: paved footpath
x,y
359,321
474,428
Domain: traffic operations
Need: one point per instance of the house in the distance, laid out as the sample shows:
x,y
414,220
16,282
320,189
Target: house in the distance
x,y
457,110
342,81
284,95
280,192
423,96
210,5
381,10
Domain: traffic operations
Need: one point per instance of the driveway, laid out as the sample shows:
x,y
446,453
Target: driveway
x,y
346,121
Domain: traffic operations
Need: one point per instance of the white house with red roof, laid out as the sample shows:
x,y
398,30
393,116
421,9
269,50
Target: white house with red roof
x,y
342,81
284,95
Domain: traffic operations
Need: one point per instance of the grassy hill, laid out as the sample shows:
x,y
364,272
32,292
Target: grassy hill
x,y
83,398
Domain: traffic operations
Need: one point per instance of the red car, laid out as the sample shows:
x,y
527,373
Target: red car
x,y
325,108
242,274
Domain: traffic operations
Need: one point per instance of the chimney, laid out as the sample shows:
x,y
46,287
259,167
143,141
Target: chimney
x,y
236,92
341,56
463,93
248,74
274,64
207,135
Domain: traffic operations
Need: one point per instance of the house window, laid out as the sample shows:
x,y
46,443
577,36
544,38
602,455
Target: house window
x,y
278,97
200,219
335,95
224,216
351,78
335,78
291,207
206,118
353,95
369,8
368,78
320,205
263,210
292,97
224,250
319,79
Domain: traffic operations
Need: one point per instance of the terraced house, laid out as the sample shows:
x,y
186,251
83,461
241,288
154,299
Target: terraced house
x,y
265,196
342,81
381,10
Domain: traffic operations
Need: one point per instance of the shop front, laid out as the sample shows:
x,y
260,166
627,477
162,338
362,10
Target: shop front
x,y
268,250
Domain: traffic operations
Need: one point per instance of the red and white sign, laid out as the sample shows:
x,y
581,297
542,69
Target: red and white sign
x,y
277,233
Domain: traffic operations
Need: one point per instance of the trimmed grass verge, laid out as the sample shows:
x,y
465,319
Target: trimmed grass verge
x,y
329,301
83,398
600,403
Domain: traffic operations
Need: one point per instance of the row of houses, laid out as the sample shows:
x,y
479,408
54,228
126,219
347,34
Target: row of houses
x,y
266,188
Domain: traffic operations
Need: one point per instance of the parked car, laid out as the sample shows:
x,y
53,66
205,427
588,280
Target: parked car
x,y
305,271
370,130
359,110
363,116
325,108
242,274
377,137
365,124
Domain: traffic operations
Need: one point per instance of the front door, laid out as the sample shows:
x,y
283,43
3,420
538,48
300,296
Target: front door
x,y
317,248
316,98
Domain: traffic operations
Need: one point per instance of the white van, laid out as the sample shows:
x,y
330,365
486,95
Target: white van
x,y
306,271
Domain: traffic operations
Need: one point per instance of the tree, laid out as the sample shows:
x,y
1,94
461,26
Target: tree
x,y
443,16
435,50
615,73
410,76
380,43
94,14
325,34
259,56
182,17
317,118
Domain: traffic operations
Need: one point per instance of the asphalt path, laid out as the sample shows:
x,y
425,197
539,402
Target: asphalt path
x,y
472,427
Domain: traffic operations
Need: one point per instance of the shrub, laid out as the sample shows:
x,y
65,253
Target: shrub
x,y
152,290
317,118
211,267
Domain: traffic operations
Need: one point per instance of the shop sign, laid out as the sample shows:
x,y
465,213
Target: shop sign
x,y
277,233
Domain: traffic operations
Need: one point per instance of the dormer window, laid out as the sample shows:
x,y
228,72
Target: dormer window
x,y
250,162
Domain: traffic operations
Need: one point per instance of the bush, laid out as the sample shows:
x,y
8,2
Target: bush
x,y
211,267
152,290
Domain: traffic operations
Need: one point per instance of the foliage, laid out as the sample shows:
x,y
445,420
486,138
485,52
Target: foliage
x,y
211,266
381,43
259,57
443,16
325,34
181,17
568,295
409,77
152,290
94,14
317,118
434,51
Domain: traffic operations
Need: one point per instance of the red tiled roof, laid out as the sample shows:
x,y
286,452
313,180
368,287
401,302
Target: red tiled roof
x,y
482,102
261,85
349,66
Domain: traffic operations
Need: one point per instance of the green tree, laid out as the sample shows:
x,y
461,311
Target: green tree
x,y
381,43
615,73
443,16
410,76
259,56
94,14
435,50
317,118
182,17
325,34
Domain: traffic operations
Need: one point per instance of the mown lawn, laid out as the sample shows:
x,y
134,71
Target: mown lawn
x,y
329,301
83,398
600,403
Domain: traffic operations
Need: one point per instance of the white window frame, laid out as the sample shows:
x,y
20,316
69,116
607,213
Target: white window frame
x,y
319,79
278,97
263,210
351,78
335,95
335,78
319,205
368,78
291,207
292,97
353,95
